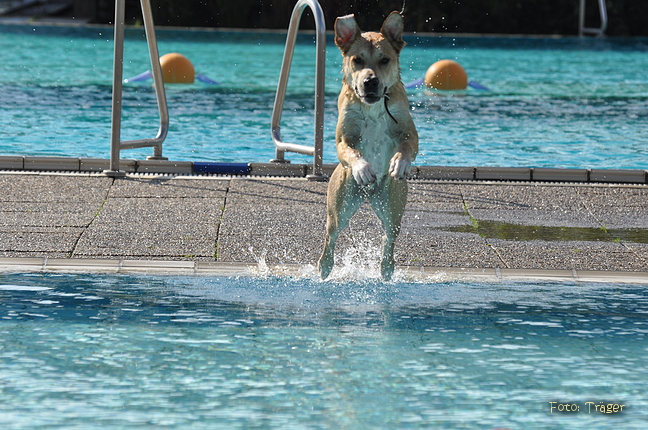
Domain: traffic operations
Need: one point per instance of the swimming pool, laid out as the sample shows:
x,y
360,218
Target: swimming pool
x,y
553,102
175,352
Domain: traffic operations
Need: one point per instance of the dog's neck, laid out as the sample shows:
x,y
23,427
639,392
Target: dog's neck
x,y
386,99
384,103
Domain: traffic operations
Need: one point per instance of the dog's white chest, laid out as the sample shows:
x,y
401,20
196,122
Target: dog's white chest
x,y
376,143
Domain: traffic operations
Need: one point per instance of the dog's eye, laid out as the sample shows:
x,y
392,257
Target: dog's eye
x,y
384,61
358,61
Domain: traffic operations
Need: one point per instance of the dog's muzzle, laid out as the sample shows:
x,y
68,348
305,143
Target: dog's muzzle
x,y
370,91
371,94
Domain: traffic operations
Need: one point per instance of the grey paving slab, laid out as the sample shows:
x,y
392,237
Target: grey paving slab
x,y
640,250
46,240
426,220
445,249
41,214
276,191
521,197
275,249
568,255
169,187
128,243
617,207
53,188
613,196
435,196
615,217
139,226
626,220
46,214
281,220
179,214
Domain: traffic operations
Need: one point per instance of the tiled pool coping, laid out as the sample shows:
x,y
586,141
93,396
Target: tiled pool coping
x,y
193,268
97,165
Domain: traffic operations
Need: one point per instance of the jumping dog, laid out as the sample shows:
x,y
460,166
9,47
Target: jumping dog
x,y
376,139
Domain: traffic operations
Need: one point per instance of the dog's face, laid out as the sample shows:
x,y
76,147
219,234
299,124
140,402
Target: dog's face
x,y
371,60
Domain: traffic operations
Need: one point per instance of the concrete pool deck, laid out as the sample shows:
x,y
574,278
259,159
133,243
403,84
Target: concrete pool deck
x,y
240,224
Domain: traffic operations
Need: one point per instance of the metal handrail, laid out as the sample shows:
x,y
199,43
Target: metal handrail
x,y
116,144
581,20
320,45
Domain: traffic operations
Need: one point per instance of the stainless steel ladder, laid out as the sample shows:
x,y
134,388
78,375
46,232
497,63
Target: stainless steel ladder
x,y
116,144
581,20
320,45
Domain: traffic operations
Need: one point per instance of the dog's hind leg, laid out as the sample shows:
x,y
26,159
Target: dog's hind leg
x,y
389,204
343,200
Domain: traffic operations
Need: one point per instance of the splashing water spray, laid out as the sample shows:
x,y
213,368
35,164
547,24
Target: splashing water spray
x,y
360,261
262,266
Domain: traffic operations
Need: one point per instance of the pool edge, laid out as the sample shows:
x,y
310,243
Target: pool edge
x,y
228,269
96,166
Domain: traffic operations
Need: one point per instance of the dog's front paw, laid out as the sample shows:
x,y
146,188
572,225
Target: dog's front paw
x,y
363,173
399,166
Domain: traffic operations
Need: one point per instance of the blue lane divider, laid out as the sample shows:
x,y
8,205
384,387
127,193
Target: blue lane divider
x,y
221,168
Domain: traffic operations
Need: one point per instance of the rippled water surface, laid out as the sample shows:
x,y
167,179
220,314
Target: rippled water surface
x,y
297,353
552,102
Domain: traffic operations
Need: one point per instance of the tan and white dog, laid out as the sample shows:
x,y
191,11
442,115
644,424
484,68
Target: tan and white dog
x,y
376,138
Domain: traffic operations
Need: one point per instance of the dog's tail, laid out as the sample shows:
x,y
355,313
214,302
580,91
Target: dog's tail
x,y
403,9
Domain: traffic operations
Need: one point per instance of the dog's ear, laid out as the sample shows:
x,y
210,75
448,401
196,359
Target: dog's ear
x,y
346,32
392,29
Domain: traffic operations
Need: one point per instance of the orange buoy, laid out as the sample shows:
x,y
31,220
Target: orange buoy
x,y
446,75
177,69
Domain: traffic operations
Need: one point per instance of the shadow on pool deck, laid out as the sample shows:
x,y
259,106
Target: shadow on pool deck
x,y
461,224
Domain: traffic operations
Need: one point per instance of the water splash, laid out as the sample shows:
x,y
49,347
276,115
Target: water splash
x,y
262,269
359,262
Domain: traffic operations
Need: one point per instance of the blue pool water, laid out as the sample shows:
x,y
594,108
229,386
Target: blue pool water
x,y
553,102
125,351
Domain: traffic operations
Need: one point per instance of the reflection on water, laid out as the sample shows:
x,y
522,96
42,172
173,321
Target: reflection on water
x,y
193,352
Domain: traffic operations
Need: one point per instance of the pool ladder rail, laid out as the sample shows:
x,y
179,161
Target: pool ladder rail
x,y
116,144
582,30
320,45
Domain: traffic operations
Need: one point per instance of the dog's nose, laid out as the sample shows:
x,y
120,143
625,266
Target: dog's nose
x,y
371,84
